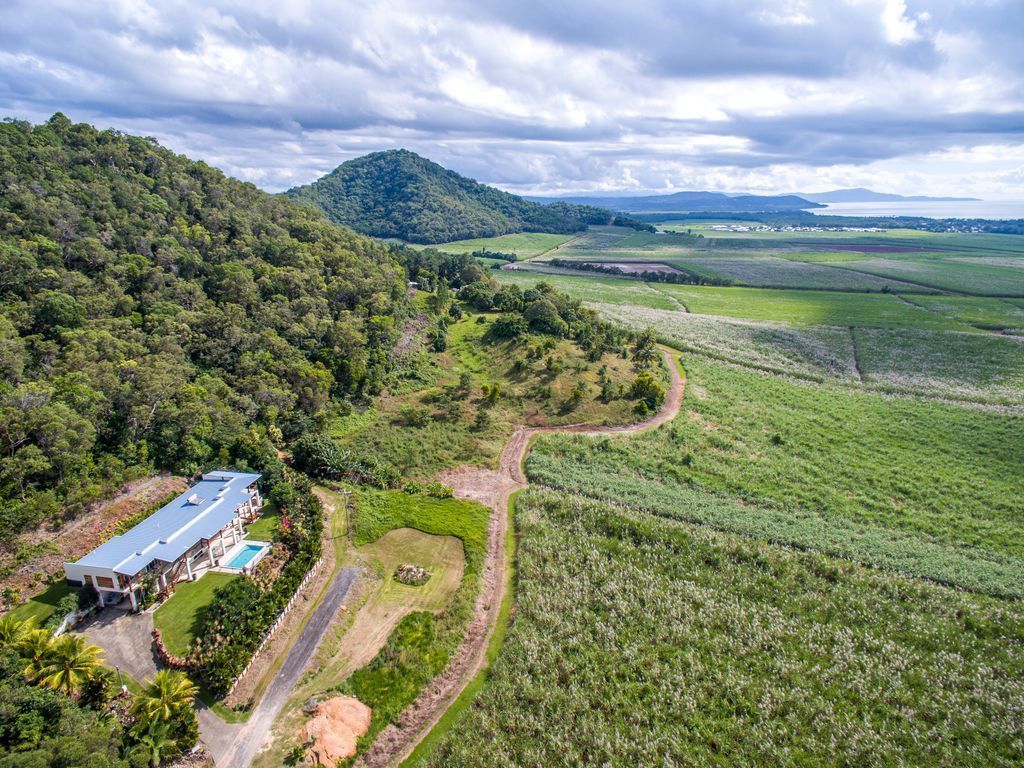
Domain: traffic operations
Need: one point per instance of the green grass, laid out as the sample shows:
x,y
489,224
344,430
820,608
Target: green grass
x,y
809,307
420,646
264,527
176,618
40,608
525,245
846,472
641,641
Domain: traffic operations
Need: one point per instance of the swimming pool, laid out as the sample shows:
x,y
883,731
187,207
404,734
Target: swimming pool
x,y
245,555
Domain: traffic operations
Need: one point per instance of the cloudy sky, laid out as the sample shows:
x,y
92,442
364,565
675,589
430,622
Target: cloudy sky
x,y
543,96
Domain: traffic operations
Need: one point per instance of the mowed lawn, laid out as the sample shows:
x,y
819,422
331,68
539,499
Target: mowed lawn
x,y
263,528
177,617
41,607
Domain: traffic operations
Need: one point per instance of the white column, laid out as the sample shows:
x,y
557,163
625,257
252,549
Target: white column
x,y
131,597
96,586
188,565
209,552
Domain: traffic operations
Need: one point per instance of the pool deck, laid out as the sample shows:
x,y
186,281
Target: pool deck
x,y
243,545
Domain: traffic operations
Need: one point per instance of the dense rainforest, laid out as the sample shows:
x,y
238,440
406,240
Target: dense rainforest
x,y
398,194
154,312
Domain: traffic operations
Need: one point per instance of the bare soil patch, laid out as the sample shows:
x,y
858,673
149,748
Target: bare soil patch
x,y
335,728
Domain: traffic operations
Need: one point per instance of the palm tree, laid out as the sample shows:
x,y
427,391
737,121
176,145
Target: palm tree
x,y
13,631
34,649
166,694
157,738
72,662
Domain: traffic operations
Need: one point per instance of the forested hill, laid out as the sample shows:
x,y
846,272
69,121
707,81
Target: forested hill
x,y
157,314
399,194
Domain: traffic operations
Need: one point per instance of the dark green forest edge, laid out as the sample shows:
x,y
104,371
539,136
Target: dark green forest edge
x,y
398,194
156,312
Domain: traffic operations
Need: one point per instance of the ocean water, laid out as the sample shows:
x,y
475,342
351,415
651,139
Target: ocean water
x,y
976,209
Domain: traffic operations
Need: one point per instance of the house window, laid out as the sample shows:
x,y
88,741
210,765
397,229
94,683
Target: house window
x,y
105,582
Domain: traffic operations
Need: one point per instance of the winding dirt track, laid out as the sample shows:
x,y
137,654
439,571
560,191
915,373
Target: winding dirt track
x,y
493,489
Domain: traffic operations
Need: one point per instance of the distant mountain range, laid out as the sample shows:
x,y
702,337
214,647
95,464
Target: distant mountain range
x,y
861,195
692,202
398,194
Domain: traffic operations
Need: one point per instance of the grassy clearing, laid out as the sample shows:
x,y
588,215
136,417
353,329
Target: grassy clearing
x,y
641,641
420,646
594,288
813,450
176,618
264,527
525,245
41,607
448,434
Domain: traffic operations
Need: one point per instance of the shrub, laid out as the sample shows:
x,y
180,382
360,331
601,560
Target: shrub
x,y
542,316
508,327
647,389
479,295
439,490
414,416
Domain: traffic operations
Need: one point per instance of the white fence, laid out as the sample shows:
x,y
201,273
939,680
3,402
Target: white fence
x,y
277,622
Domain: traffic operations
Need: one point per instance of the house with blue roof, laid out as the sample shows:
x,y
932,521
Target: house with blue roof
x,y
199,530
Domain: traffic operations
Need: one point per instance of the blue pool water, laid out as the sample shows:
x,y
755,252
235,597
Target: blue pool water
x,y
242,558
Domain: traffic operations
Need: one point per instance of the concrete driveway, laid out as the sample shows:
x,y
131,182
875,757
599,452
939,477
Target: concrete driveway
x,y
126,640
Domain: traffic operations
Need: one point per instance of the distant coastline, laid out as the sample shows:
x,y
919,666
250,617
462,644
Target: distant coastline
x,y
967,209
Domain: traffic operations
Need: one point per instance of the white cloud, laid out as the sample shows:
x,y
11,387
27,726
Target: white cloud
x,y
540,96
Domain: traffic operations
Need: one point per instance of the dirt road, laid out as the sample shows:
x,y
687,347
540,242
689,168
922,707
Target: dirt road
x,y
493,489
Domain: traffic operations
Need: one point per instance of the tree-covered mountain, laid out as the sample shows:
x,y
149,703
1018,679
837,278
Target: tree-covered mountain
x,y
694,202
398,194
156,314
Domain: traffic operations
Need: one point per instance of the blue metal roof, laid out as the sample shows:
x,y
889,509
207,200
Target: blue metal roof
x,y
199,513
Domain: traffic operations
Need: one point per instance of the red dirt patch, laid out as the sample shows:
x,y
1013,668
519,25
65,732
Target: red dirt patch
x,y
335,728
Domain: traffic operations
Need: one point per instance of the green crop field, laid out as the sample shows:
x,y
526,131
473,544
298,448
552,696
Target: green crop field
x,y
641,641
821,455
982,312
960,366
775,272
790,306
525,245
966,276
